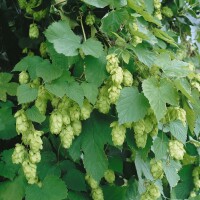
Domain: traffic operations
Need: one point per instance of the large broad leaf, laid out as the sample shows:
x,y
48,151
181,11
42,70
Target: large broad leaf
x,y
113,20
178,130
52,188
26,94
10,190
34,115
171,168
117,3
95,71
96,133
63,38
97,3
132,191
92,47
131,106
144,55
160,146
114,192
159,93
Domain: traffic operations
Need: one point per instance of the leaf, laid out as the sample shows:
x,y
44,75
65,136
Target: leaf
x,y
6,87
90,92
114,192
131,106
144,55
8,169
75,92
92,47
52,188
171,168
132,191
10,190
75,180
112,21
116,164
76,196
178,130
96,133
117,3
75,148
126,56
48,72
63,38
159,93
95,70
7,122
34,115
160,146
197,127
26,94
97,3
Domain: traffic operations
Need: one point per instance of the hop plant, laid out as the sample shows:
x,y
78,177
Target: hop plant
x,y
56,122
167,12
41,104
127,78
136,40
22,123
67,136
109,175
156,168
77,127
103,104
19,154
157,4
65,117
33,31
43,49
113,93
117,75
152,192
23,77
86,110
196,177
158,14
118,133
22,4
75,112
90,20
91,182
176,149
112,62
34,157
37,16
36,142
97,194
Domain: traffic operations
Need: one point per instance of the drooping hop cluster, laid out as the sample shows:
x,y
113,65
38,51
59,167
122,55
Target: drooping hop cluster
x,y
43,49
109,176
127,78
65,120
176,149
152,192
31,138
167,11
175,113
23,77
139,133
195,82
97,193
90,19
157,6
33,31
118,133
196,177
142,70
156,168
133,27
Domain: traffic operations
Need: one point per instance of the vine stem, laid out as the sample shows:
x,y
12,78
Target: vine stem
x,y
83,30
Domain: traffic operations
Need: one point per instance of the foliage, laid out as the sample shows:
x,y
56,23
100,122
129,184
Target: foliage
x,y
100,99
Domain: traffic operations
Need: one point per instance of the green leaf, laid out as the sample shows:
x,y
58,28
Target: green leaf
x,y
160,146
144,55
75,180
171,168
75,92
6,87
114,192
96,133
34,115
132,191
92,47
97,3
117,3
52,188
112,21
76,196
90,91
48,72
8,169
26,94
116,164
132,105
10,190
95,71
178,130
7,122
64,40
159,93
75,148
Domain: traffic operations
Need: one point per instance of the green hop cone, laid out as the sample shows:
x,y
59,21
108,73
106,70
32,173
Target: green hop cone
x,y
75,112
91,182
103,104
176,149
35,141
112,62
34,157
117,75
152,192
37,16
43,49
114,92
77,127
33,31
90,20
156,168
167,12
56,122
22,123
19,154
86,110
23,77
97,194
127,78
118,133
196,177
109,176
136,40
41,104
67,136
